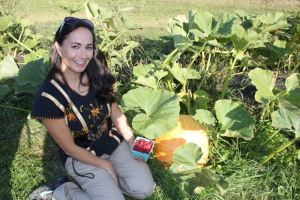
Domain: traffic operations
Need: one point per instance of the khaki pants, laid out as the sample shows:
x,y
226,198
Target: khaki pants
x,y
134,177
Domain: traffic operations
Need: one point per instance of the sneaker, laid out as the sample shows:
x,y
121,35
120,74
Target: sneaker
x,y
45,192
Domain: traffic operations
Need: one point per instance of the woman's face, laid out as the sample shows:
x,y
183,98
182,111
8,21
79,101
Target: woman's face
x,y
76,51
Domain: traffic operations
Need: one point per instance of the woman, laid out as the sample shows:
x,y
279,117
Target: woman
x,y
77,106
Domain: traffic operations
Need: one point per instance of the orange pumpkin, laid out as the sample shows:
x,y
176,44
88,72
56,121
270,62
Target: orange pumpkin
x,y
187,130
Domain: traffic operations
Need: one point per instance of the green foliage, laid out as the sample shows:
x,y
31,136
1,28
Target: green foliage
x,y
194,179
161,111
17,37
188,80
70,7
287,116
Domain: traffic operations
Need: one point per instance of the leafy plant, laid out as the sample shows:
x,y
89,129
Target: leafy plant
x,y
254,41
17,37
285,108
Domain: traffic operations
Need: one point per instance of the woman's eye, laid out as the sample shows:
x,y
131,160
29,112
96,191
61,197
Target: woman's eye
x,y
89,48
75,47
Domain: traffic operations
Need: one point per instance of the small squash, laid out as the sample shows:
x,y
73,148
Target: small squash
x,y
187,130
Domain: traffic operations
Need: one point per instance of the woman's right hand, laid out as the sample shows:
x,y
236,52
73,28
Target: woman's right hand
x,y
110,169
61,133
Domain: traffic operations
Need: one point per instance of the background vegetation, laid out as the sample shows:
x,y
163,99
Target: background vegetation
x,y
24,164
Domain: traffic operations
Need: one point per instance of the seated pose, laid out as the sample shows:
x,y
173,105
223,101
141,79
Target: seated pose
x,y
77,106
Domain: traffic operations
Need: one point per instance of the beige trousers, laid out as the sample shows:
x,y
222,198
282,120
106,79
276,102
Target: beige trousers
x,y
134,177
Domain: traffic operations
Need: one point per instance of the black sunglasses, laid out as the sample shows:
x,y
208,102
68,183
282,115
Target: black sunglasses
x,y
70,20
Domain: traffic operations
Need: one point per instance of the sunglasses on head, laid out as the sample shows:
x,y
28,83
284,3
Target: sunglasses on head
x,y
70,20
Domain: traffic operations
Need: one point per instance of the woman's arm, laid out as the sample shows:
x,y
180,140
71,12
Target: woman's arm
x,y
61,133
120,122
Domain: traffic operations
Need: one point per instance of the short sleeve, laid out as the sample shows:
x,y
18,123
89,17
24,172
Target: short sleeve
x,y
48,104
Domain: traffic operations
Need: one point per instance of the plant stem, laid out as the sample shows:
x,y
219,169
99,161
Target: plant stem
x,y
270,138
170,57
228,77
196,55
15,108
19,42
281,148
291,156
296,67
105,48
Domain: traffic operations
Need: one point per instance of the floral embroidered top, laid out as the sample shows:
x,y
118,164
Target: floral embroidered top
x,y
88,119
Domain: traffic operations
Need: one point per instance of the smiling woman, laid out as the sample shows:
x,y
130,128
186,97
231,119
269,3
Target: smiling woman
x,y
77,106
76,52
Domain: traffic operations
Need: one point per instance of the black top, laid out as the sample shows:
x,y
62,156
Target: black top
x,y
88,118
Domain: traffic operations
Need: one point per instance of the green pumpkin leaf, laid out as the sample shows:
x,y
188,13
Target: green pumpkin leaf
x,y
70,6
265,83
183,74
143,70
207,119
25,88
287,120
282,48
4,89
91,10
292,82
147,75
186,171
8,68
150,81
30,43
243,39
24,22
32,73
5,22
201,99
185,157
235,121
161,111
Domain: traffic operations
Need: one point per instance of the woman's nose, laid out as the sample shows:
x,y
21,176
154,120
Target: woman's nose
x,y
83,53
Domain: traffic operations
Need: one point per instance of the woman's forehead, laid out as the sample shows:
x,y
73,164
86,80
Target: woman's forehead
x,y
80,35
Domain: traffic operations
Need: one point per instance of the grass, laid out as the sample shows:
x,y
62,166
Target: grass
x,y
29,156
152,15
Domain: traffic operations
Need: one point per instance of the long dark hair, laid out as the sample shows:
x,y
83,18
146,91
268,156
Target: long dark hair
x,y
100,79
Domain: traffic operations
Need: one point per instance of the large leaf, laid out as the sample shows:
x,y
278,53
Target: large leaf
x,y
235,121
25,88
185,170
4,89
183,74
148,75
201,99
91,10
282,48
272,21
207,119
185,157
32,73
292,82
290,99
143,70
70,6
5,22
264,83
8,68
161,111
243,39
150,81
287,120
203,25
